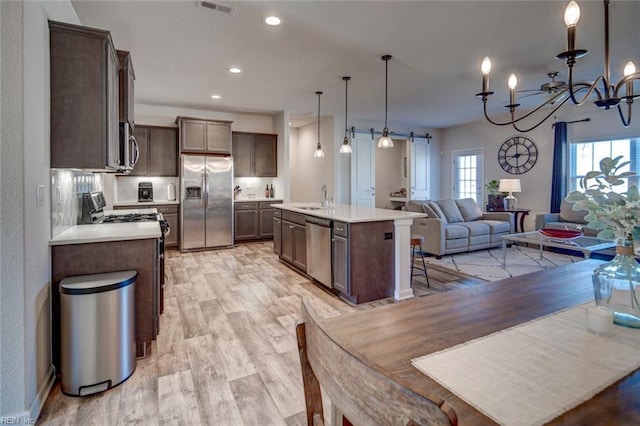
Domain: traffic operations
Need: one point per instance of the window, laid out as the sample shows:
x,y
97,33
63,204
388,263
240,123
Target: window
x,y
467,174
586,156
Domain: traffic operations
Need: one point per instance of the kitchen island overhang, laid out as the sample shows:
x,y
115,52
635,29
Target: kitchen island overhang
x,y
400,287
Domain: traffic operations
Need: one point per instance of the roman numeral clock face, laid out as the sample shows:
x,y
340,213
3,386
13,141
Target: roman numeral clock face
x,y
517,155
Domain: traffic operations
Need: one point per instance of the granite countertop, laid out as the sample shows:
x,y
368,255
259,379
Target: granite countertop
x,y
99,233
348,213
142,204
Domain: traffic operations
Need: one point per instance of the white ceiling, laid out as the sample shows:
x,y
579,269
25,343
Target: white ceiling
x,y
181,53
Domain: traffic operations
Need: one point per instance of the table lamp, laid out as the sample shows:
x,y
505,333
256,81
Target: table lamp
x,y
510,186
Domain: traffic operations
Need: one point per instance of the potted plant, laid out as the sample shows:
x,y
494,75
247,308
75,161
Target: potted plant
x,y
617,216
494,197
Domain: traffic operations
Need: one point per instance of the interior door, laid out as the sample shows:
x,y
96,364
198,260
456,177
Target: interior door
x,y
419,169
363,171
467,174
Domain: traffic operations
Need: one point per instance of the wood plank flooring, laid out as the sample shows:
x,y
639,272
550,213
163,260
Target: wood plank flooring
x,y
226,353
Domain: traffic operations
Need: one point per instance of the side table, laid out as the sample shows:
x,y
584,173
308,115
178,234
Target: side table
x,y
516,212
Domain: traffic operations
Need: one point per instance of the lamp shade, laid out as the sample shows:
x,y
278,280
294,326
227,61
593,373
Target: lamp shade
x,y
509,185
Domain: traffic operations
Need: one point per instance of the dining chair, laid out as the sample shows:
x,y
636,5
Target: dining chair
x,y
357,391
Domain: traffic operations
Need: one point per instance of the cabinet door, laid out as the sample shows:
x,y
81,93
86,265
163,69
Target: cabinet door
x,y
266,223
172,239
287,241
142,137
277,235
242,154
219,137
126,78
113,100
193,135
341,264
300,247
246,224
265,155
163,152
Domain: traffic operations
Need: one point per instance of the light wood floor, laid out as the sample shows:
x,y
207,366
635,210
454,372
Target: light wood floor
x,y
226,353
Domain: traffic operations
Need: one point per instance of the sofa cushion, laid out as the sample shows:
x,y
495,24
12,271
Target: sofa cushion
x,y
452,232
450,210
476,228
415,206
567,214
497,226
469,209
437,211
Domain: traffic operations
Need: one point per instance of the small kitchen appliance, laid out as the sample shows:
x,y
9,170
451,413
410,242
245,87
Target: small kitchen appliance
x,y
145,191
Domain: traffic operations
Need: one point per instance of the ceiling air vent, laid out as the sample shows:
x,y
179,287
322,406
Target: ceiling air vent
x,y
217,7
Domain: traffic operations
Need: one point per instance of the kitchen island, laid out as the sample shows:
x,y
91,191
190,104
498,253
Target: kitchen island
x,y
109,247
370,247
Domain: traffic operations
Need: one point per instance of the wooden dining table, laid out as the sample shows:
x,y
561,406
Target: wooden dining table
x,y
387,338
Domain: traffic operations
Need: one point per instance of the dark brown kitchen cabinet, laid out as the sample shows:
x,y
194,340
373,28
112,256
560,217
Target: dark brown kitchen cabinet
x,y
277,231
253,220
340,254
158,151
255,154
84,98
204,136
294,240
170,214
126,79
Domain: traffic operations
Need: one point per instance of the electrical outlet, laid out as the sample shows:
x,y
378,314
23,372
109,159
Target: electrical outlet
x,y
39,195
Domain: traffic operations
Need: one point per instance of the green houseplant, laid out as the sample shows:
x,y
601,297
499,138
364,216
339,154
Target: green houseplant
x,y
616,215
494,198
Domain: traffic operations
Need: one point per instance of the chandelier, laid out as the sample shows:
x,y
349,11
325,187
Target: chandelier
x,y
608,95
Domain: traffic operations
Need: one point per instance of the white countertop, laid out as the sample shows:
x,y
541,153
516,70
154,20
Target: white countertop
x,y
248,200
148,210
141,204
100,233
348,213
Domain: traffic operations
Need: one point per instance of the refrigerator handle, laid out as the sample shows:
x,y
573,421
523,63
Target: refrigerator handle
x,y
205,189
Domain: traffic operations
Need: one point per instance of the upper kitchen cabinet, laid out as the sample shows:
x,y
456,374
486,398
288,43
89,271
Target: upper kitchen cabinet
x,y
126,77
204,136
158,151
84,98
255,154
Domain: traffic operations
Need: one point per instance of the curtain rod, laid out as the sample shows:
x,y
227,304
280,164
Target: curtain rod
x,y
374,132
574,121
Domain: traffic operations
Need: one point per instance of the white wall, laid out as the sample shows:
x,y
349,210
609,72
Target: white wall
x,y
26,272
307,173
536,183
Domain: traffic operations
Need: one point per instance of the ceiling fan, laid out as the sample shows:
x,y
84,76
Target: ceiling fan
x,y
548,88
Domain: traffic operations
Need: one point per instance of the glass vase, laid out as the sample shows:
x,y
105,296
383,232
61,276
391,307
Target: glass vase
x,y
616,285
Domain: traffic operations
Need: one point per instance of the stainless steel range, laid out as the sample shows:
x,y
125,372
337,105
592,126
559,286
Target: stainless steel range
x,y
92,212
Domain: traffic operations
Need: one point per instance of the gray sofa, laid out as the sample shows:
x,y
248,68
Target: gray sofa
x,y
456,226
566,219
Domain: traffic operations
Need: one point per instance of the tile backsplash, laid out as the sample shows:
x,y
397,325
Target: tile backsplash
x,y
66,188
127,187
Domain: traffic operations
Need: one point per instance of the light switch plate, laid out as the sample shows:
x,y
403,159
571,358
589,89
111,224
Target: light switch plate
x,y
39,195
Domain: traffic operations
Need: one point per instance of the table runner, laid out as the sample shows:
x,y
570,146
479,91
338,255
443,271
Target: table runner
x,y
533,372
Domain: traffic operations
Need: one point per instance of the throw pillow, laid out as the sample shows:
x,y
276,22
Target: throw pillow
x,y
450,210
567,214
432,208
469,209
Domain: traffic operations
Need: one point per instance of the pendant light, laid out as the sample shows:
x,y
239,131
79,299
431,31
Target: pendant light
x,y
385,141
345,148
318,153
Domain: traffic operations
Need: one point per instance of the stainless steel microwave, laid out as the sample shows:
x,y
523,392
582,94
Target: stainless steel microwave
x,y
129,151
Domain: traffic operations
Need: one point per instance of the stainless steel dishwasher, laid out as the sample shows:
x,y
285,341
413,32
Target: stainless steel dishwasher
x,y
319,249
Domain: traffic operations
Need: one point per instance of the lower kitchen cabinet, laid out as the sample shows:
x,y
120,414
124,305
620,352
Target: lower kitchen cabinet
x,y
340,254
294,240
170,214
253,220
277,231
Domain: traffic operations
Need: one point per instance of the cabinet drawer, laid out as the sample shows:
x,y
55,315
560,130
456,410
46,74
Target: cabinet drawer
x,y
277,212
267,204
245,206
293,217
341,229
168,209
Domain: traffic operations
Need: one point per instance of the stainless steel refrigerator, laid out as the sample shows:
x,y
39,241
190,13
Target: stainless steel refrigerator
x,y
206,184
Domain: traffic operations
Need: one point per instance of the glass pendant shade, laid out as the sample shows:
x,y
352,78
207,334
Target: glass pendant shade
x,y
385,141
345,148
318,153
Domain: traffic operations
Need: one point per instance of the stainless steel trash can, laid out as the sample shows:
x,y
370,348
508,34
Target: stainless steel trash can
x,y
98,339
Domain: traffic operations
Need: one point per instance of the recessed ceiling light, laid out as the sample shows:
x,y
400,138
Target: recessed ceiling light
x,y
272,20
235,70
215,96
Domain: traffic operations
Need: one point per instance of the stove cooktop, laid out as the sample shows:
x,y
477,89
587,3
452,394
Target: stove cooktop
x,y
138,217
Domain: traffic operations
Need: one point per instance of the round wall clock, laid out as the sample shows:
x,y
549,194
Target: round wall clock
x,y
517,155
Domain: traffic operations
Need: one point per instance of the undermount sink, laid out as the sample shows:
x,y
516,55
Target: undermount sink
x,y
310,208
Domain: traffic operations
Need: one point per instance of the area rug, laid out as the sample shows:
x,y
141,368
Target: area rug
x,y
487,264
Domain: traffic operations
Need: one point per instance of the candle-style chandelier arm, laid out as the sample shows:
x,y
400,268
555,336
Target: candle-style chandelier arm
x,y
625,82
592,87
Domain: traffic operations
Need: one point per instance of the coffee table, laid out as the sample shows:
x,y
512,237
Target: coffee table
x,y
584,245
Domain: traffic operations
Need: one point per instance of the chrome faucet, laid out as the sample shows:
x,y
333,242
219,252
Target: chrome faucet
x,y
325,202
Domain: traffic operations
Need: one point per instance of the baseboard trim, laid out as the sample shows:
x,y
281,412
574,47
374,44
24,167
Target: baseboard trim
x,y
41,397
